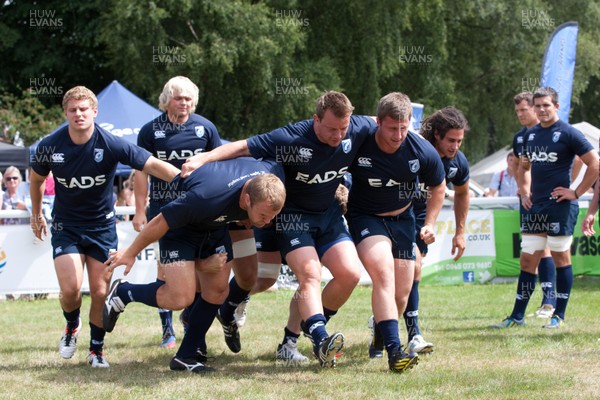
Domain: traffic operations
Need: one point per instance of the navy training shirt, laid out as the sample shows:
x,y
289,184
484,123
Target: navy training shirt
x,y
518,141
383,182
84,174
174,143
313,170
457,173
210,197
551,152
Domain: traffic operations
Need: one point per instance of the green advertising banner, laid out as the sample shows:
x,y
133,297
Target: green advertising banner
x,y
493,249
584,250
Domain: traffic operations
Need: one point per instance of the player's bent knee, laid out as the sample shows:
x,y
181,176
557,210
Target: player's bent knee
x,y
559,243
530,243
180,303
263,284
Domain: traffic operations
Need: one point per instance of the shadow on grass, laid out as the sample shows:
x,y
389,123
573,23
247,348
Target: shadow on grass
x,y
586,283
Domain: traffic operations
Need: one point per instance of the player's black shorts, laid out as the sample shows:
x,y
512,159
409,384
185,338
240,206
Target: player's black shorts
x,y
551,218
400,229
185,244
93,241
295,228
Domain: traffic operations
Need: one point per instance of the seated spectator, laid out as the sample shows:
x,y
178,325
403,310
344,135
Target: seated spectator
x,y
13,199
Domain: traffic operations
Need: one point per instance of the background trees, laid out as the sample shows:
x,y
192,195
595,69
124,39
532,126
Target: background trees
x,y
261,64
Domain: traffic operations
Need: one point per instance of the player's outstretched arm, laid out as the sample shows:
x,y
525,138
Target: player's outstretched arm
x,y
160,169
150,234
225,152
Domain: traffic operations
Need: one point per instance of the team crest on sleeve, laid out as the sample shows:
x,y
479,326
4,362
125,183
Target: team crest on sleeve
x,y
414,165
98,155
452,172
199,131
346,145
520,139
555,136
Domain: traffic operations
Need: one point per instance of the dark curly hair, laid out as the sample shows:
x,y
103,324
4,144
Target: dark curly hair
x,y
441,122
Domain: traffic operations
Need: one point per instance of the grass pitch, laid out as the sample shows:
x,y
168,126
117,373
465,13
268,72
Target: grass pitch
x,y
469,361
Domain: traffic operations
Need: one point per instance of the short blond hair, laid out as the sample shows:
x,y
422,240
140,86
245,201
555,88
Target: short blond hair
x,y
337,102
269,188
80,93
179,85
395,105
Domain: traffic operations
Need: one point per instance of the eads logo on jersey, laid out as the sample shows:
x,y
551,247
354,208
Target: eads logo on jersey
x,y
82,182
2,260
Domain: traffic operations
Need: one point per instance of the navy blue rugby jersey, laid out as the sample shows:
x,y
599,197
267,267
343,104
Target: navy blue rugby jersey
x,y
457,169
84,174
517,144
384,182
313,169
175,143
457,173
210,197
551,152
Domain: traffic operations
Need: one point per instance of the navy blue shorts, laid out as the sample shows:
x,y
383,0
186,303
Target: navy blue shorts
x,y
185,244
400,229
266,239
419,222
295,228
93,241
551,218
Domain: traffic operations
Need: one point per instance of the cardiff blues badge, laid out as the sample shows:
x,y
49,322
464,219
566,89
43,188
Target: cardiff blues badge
x,y
346,145
555,136
414,166
452,172
98,155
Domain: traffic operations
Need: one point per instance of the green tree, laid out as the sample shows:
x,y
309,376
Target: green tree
x,y
242,55
27,115
51,46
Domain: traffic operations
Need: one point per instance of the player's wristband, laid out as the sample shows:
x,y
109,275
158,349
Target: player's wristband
x,y
575,191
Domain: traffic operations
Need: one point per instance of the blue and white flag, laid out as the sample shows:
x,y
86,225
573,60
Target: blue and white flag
x,y
558,66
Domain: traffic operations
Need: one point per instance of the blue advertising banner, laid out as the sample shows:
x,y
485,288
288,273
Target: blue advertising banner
x,y
558,66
